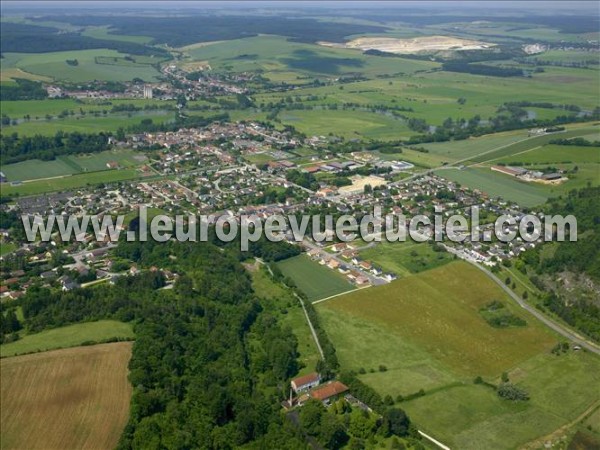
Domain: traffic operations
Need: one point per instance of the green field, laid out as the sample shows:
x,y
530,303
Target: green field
x,y
314,280
34,168
70,182
53,65
555,154
574,131
348,124
427,331
7,247
283,60
88,124
496,184
460,150
39,108
68,336
567,56
405,258
68,165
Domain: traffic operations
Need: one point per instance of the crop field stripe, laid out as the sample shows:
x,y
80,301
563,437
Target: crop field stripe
x,y
63,399
314,280
526,144
69,162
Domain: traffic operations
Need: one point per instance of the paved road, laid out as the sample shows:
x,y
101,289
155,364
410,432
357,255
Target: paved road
x,y
540,316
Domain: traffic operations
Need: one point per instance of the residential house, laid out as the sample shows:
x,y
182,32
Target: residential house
x,y
306,382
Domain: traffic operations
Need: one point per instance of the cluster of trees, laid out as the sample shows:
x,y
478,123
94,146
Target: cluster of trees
x,y
148,126
547,105
481,69
23,90
579,142
304,179
15,148
9,325
509,391
342,424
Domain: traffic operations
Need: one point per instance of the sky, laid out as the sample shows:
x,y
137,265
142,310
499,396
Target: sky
x,y
463,4
448,7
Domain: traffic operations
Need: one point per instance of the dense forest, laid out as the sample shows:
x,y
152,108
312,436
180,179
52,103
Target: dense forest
x,y
185,30
23,38
15,148
482,69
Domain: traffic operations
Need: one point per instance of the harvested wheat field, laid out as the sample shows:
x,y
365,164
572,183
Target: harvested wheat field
x,y
65,399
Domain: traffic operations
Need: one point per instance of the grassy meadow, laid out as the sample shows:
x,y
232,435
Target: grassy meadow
x,y
285,60
69,182
428,333
405,258
68,165
68,336
496,184
87,124
314,280
53,65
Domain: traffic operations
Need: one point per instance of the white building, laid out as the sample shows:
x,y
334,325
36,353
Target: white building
x,y
147,91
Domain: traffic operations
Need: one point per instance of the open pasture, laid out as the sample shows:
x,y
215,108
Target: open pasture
x,y
349,124
34,168
69,182
438,310
72,398
533,142
496,184
53,107
555,154
68,336
473,417
453,151
87,124
405,258
314,280
275,54
94,162
64,165
433,95
54,65
427,331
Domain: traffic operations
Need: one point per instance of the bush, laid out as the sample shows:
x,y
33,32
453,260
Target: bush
x,y
511,392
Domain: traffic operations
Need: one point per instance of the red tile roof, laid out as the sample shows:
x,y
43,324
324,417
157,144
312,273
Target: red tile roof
x,y
306,379
329,390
